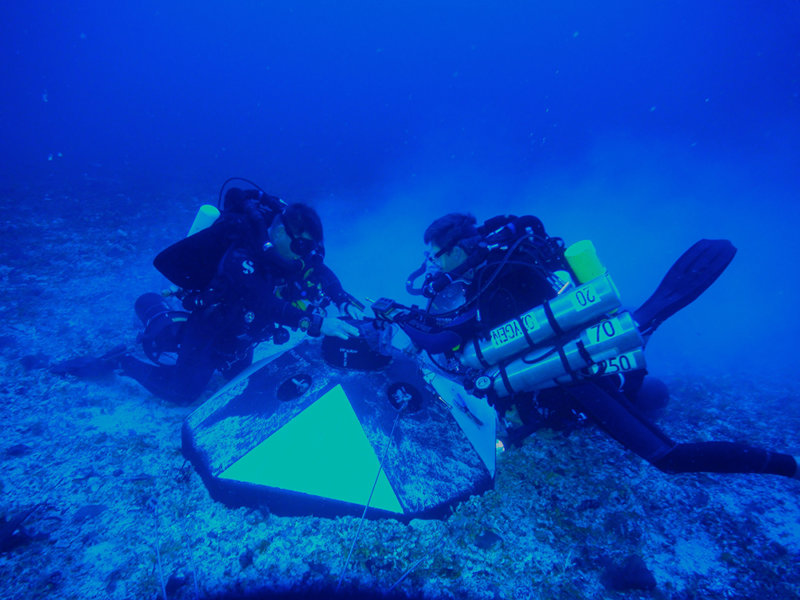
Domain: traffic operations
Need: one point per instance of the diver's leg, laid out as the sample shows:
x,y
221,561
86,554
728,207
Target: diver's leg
x,y
156,379
197,357
184,381
652,397
626,424
726,457
648,394
179,385
88,367
614,413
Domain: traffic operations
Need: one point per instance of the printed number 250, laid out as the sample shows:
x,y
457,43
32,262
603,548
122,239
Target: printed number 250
x,y
617,364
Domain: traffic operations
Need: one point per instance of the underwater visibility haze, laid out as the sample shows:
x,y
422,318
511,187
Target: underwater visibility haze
x,y
642,126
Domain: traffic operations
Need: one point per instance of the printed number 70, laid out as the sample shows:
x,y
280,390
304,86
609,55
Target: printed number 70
x,y
606,328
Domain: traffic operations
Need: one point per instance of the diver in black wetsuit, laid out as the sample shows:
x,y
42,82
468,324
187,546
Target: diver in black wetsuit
x,y
256,270
476,285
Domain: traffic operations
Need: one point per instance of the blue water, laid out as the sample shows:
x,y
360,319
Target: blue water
x,y
641,125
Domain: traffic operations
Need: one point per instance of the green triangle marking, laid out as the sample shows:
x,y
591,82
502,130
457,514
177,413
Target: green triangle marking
x,y
324,452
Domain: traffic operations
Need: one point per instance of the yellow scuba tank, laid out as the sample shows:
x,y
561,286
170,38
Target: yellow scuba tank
x,y
205,217
609,346
582,259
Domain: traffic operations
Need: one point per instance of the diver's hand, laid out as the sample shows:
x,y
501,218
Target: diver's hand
x,y
338,328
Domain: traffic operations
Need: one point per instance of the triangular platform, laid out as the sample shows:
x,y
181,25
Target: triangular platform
x,y
323,452
302,436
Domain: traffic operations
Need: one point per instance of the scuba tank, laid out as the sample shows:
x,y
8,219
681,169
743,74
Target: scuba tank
x,y
582,259
525,353
191,263
205,217
563,313
607,347
162,323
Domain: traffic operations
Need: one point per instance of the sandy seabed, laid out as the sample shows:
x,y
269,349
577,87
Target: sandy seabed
x,y
97,500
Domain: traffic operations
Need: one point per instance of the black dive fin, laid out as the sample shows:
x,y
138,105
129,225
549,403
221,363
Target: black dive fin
x,y
690,276
91,367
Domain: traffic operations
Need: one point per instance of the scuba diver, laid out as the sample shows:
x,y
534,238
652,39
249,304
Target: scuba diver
x,y
243,279
537,328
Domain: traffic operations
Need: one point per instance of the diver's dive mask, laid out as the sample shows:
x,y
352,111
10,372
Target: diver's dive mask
x,y
430,270
436,279
301,246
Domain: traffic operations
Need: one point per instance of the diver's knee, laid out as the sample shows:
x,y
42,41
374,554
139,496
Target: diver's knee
x,y
653,396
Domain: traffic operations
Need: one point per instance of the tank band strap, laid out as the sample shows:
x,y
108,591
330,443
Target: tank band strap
x,y
551,319
565,363
584,353
506,381
525,333
479,353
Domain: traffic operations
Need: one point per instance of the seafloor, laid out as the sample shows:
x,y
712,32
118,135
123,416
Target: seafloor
x,y
97,501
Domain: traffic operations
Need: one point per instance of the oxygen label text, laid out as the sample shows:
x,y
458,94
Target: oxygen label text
x,y
508,332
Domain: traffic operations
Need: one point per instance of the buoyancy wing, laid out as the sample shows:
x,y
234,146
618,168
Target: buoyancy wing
x,y
192,262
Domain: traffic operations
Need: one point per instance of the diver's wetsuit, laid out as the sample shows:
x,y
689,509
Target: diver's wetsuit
x,y
252,292
202,335
515,290
616,413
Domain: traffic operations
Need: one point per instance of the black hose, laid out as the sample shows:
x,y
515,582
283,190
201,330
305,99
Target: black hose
x,y
227,181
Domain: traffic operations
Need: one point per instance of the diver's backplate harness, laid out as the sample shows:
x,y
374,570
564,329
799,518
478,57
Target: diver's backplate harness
x,y
576,335
193,272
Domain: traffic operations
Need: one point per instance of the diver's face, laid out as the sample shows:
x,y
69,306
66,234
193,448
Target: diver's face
x,y
448,260
282,241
